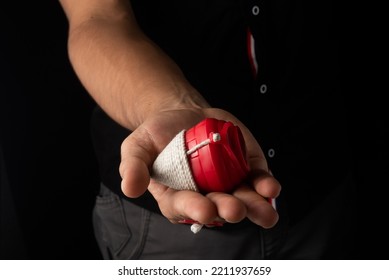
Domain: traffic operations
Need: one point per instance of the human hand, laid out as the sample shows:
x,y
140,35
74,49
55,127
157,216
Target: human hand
x,y
249,200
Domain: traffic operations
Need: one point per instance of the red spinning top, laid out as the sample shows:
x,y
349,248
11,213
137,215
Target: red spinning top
x,y
217,155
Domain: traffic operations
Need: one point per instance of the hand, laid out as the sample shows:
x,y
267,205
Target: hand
x,y
140,149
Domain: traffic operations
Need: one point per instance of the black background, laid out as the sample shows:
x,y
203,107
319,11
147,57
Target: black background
x,y
48,163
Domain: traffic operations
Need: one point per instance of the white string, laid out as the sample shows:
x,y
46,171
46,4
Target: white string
x,y
215,137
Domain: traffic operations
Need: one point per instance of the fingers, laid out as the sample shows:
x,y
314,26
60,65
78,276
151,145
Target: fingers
x,y
178,205
259,210
264,183
264,186
245,202
229,208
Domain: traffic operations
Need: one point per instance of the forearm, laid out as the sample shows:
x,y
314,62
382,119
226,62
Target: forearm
x,y
125,73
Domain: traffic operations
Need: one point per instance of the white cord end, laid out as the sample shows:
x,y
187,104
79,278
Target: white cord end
x,y
195,228
216,137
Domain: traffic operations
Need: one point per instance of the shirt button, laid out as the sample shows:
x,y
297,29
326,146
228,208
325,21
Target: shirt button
x,y
271,153
255,10
263,89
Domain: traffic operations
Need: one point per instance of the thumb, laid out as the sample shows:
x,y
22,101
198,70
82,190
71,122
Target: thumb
x,y
137,154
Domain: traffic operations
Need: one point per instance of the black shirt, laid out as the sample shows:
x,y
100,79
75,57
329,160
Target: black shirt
x,y
287,91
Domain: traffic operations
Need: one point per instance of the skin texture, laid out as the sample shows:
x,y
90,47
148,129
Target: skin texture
x,y
142,89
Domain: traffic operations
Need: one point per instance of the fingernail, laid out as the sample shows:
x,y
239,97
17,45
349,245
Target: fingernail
x,y
273,203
